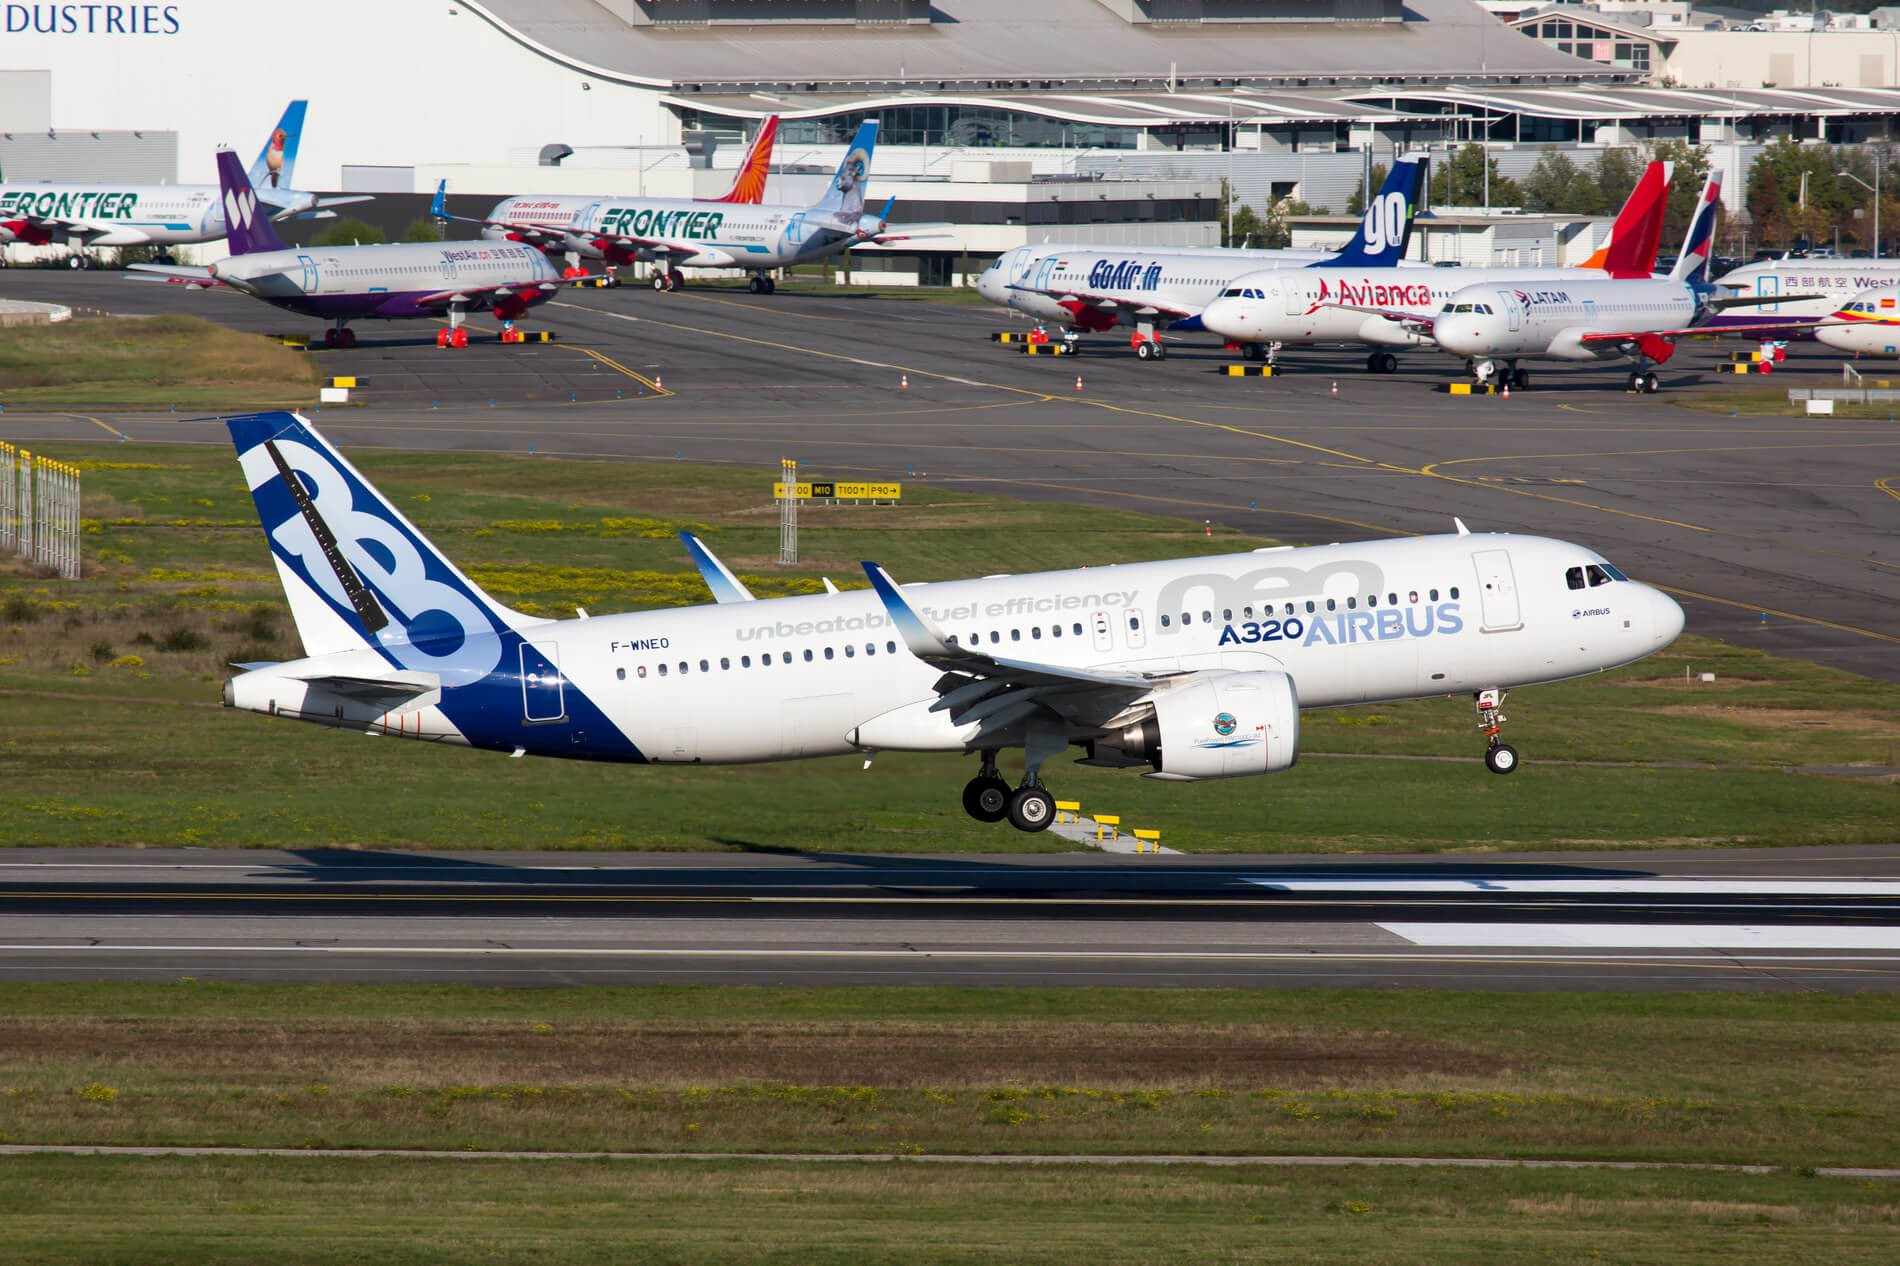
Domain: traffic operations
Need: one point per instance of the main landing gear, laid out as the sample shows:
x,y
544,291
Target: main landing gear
x,y
339,335
761,284
1503,375
987,798
669,279
1382,363
1644,382
1499,757
1150,349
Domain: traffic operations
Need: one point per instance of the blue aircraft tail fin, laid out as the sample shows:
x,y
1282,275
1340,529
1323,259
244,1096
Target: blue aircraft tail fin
x,y
358,574
277,162
1386,229
845,197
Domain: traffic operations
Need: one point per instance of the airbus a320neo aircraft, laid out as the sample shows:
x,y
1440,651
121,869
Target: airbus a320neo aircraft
x,y
1190,668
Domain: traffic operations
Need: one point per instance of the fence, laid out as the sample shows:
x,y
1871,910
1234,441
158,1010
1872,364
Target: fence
x,y
39,510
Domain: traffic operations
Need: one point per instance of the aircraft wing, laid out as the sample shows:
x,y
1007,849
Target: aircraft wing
x,y
1391,314
174,274
485,296
293,205
929,643
1108,303
1634,338
702,255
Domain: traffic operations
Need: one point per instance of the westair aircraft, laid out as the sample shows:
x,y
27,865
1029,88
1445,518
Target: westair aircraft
x,y
681,233
1092,288
1493,326
82,216
1190,668
1869,322
1277,308
1805,289
398,282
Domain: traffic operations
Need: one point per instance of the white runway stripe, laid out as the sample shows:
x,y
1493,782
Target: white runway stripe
x,y
1608,887
1644,936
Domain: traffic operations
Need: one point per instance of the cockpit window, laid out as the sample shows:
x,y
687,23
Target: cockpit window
x,y
1614,573
1597,575
1235,293
1448,308
1485,308
1574,578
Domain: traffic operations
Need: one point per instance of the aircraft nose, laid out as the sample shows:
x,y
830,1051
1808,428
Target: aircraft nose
x,y
1666,618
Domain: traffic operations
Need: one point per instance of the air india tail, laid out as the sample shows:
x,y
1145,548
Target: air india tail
x,y
748,184
1637,233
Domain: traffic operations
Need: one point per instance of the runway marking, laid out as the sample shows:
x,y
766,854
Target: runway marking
x,y
1886,486
1602,936
1784,615
1668,887
613,364
101,423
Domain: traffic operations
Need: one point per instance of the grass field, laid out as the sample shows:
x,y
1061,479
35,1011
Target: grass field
x,y
150,362
119,673
302,1211
1793,1081
1708,1077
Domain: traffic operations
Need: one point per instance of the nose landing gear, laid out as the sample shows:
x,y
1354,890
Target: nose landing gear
x,y
1499,757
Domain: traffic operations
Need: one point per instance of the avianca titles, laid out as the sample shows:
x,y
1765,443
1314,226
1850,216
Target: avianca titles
x,y
1188,669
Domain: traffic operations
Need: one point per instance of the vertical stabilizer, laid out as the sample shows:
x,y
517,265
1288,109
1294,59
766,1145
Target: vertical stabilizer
x,y
1692,265
748,183
1637,233
247,227
1386,229
845,198
356,572
276,163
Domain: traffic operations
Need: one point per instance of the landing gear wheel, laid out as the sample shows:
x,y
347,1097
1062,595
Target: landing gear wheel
x,y
771,286
1385,363
1161,351
77,262
1520,378
986,799
659,281
1253,351
332,337
1501,759
1031,809
1651,384
346,338
675,280
1145,350
756,285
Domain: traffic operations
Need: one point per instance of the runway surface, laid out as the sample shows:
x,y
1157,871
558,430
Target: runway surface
x,y
1767,920
1776,533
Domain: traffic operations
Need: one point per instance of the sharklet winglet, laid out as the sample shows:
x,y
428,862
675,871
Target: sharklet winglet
x,y
919,631
725,586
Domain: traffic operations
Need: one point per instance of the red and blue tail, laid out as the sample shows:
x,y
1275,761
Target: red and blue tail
x,y
1692,265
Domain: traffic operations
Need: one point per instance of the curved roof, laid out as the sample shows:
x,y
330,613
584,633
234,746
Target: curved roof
x,y
1041,45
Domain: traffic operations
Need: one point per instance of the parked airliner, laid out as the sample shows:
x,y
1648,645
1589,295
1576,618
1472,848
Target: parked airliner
x,y
1869,323
1805,289
682,233
1300,307
398,282
1190,668
1094,288
84,215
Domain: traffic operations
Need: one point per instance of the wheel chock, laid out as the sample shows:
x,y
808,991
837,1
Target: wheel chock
x,y
1468,388
1250,371
346,382
1048,349
1008,336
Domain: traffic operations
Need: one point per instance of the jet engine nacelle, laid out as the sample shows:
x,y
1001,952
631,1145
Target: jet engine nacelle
x,y
1228,726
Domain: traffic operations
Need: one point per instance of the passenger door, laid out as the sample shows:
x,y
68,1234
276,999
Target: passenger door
x,y
543,692
1497,591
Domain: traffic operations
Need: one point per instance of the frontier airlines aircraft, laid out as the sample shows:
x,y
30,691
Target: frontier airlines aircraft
x,y
1189,669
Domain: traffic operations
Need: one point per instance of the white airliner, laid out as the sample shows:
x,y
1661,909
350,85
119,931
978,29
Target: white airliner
x,y
1094,288
683,233
1302,307
82,215
1190,668
1815,288
1867,323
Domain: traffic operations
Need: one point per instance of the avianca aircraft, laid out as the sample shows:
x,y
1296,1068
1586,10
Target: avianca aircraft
x,y
1094,288
1192,668
88,215
1869,322
1279,307
403,282
680,233
1494,326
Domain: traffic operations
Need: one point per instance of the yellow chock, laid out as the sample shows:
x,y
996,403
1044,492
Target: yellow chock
x,y
345,382
1073,808
1145,838
1107,821
1249,371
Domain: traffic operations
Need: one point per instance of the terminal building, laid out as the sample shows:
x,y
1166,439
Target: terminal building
x,y
1070,120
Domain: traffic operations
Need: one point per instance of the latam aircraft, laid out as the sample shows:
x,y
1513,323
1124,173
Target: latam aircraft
x,y
1189,669
1094,288
681,233
1869,323
87,215
400,282
1276,308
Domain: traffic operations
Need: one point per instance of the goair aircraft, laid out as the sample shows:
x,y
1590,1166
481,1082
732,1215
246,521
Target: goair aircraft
x,y
1493,326
401,282
1094,288
1869,322
1276,308
679,234
1188,669
87,215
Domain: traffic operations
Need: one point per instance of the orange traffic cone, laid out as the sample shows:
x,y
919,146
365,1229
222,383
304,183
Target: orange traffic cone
x,y
658,383
1078,382
1335,387
903,382
1507,389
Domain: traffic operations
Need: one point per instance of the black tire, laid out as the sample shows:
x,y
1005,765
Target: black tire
x,y
756,285
1501,759
1031,809
1523,378
659,282
1144,350
1161,351
986,799
771,286
1388,363
1651,384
